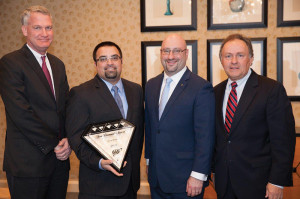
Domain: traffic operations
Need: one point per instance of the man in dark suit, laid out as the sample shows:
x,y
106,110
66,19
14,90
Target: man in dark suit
x,y
36,150
255,128
179,139
95,101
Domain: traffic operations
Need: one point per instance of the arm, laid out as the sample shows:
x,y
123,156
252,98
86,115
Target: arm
x,y
77,118
18,107
204,120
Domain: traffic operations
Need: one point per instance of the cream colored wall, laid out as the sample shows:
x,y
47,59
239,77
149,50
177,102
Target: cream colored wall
x,y
80,25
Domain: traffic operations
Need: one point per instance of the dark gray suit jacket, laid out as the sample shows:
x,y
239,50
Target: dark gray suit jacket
x,y
92,102
260,147
34,117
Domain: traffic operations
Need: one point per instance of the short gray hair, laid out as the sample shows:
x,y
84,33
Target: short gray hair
x,y
26,13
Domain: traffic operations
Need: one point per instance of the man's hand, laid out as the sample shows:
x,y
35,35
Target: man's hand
x,y
194,186
273,192
106,165
63,150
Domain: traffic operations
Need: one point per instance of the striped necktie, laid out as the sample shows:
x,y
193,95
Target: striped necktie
x,y
118,100
231,107
164,96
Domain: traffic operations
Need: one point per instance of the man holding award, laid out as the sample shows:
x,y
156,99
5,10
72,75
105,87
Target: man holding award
x,y
98,132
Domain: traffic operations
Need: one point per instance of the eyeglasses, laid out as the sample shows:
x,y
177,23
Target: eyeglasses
x,y
105,59
175,51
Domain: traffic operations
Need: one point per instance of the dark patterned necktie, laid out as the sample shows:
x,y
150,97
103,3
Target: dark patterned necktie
x,y
231,107
47,74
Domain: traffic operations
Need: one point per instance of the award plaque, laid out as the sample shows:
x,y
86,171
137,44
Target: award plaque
x,y
111,139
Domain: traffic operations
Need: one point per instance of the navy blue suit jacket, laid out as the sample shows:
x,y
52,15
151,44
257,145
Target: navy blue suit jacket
x,y
182,140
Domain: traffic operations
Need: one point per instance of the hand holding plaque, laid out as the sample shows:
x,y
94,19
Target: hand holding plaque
x,y
111,139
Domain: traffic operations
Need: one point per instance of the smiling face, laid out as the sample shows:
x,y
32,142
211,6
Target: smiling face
x,y
235,59
173,62
110,68
38,32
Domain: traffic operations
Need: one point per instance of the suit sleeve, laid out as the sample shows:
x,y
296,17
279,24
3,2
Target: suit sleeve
x,y
204,127
147,127
77,118
17,106
281,127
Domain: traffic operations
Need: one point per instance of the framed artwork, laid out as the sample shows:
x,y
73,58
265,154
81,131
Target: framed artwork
x,y
288,13
288,62
230,14
215,71
168,15
151,65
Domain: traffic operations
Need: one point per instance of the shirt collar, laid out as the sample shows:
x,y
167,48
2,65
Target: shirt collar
x,y
240,81
175,78
36,54
119,84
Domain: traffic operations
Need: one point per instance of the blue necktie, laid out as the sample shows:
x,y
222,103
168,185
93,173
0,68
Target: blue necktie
x,y
164,96
118,100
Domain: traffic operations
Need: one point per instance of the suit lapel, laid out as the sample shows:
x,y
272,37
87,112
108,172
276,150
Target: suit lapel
x,y
33,63
247,96
183,82
55,74
129,98
105,94
156,87
219,106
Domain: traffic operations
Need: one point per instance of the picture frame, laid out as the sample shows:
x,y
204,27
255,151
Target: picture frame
x,y
168,15
151,64
288,61
215,71
223,15
288,13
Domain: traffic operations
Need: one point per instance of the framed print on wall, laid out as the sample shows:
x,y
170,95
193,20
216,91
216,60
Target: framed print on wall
x,y
288,13
230,14
215,71
288,62
151,65
168,15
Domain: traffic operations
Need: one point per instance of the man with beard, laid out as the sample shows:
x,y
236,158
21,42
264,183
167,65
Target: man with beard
x,y
104,98
179,114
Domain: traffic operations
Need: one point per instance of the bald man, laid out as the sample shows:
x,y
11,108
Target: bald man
x,y
179,115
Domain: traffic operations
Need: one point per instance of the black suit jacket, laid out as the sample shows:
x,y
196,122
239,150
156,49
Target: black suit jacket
x,y
34,118
260,147
92,102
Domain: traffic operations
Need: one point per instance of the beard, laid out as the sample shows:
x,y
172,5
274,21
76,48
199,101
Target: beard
x,y
111,74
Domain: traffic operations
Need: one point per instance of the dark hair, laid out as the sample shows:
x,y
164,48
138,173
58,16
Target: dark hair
x,y
106,43
239,37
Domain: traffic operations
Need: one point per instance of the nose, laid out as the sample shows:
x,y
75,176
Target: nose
x,y
44,32
170,56
234,59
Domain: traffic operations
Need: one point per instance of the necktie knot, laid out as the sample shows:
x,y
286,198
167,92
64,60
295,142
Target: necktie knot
x,y
43,58
115,89
233,85
168,81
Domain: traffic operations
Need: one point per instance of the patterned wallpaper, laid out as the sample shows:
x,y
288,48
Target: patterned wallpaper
x,y
79,25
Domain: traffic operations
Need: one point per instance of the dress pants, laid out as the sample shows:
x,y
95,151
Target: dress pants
x,y
130,194
157,193
51,187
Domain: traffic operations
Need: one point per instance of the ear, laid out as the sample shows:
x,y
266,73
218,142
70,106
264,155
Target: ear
x,y
24,30
187,53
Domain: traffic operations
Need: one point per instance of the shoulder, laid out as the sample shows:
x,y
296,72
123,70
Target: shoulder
x,y
84,88
53,58
131,84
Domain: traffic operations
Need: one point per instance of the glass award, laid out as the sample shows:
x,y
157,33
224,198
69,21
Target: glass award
x,y
111,139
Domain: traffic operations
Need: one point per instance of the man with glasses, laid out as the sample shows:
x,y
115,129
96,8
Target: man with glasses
x,y
106,97
179,114
255,128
